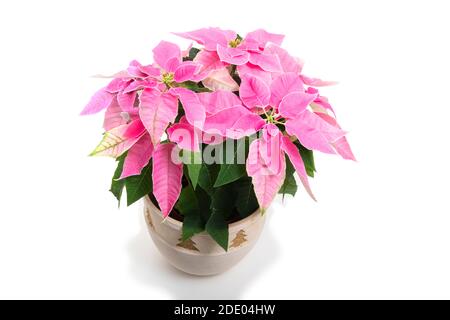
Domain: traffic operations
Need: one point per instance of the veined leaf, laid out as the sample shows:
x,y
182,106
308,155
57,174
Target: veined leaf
x,y
167,177
189,207
223,200
217,228
308,159
266,183
207,177
192,225
246,202
204,203
118,140
230,170
193,162
118,185
139,186
137,157
314,132
290,184
220,80
295,157
157,110
188,201
194,87
222,207
192,54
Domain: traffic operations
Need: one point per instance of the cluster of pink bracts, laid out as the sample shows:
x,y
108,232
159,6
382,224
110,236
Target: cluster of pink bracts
x,y
142,106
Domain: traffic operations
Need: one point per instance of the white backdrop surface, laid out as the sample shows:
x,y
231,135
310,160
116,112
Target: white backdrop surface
x,y
381,228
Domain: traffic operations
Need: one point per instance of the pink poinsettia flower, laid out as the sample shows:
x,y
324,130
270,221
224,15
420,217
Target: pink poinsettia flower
x,y
266,164
169,68
223,48
159,106
226,117
123,88
158,109
169,59
287,101
289,64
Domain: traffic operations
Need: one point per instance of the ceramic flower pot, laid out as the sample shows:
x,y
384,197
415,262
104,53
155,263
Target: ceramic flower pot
x,y
201,256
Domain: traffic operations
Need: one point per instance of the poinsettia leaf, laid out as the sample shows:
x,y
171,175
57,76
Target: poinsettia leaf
x,y
192,54
194,173
137,157
119,140
266,181
246,201
231,170
192,161
192,225
207,177
217,227
139,186
189,207
222,208
204,203
314,132
167,177
118,185
294,156
187,201
308,159
223,200
229,173
290,184
195,87
220,80
157,110
193,108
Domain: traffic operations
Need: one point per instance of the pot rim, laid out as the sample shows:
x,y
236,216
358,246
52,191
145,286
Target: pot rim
x,y
233,227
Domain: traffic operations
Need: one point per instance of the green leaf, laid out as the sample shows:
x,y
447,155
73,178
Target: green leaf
x,y
189,207
194,165
217,228
139,186
207,177
290,184
192,225
222,206
194,87
223,200
308,159
194,173
118,185
192,54
230,170
187,202
246,201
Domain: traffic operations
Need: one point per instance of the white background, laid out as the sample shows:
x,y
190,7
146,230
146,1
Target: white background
x,y
381,228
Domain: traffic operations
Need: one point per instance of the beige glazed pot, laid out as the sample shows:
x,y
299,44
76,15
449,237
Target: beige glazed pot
x,y
201,255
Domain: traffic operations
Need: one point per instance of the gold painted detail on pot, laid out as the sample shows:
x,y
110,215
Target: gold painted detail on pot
x,y
148,217
188,244
241,238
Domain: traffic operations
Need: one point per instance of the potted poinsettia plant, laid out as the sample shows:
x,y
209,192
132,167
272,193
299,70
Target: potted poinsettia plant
x,y
209,136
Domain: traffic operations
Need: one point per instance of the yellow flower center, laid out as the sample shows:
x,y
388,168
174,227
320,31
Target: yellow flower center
x,y
235,43
167,78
